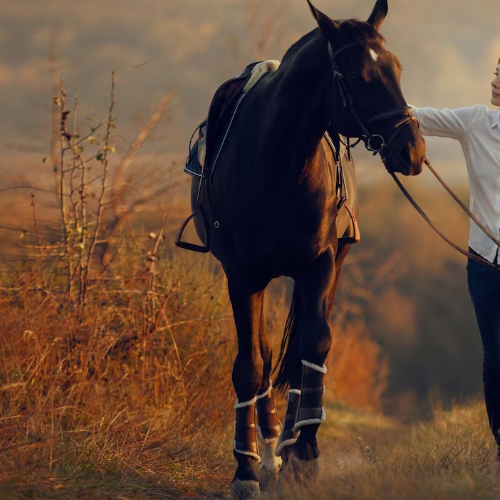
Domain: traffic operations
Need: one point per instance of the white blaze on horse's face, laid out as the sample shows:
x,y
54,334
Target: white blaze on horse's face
x,y
374,55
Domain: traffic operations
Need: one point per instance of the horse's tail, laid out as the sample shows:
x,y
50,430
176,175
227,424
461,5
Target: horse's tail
x,y
291,327
282,381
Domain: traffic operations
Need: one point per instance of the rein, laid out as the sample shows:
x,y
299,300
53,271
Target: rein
x,y
476,258
377,144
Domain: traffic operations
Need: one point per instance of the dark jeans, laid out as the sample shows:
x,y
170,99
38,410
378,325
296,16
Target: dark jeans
x,y
484,289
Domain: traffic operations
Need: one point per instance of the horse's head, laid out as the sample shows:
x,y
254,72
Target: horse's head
x,y
368,101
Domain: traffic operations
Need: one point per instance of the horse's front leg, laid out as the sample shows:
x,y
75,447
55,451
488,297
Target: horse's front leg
x,y
316,288
247,380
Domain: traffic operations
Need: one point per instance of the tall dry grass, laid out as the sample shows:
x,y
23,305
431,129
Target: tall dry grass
x,y
107,392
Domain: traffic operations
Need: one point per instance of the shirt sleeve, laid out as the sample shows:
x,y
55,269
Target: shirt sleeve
x,y
452,123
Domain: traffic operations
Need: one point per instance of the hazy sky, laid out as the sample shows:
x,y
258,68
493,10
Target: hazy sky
x,y
448,49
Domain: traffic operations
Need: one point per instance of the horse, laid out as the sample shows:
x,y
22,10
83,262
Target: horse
x,y
271,209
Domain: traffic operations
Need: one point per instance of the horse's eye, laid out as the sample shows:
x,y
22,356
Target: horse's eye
x,y
355,78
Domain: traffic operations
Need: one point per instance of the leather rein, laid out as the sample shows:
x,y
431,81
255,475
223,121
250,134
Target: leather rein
x,y
377,144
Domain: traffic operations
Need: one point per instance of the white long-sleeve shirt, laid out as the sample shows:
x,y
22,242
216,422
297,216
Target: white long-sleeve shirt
x,y
478,130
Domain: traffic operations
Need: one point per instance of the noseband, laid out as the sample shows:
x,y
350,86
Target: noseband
x,y
375,143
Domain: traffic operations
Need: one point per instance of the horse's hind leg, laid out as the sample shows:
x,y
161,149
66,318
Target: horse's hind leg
x,y
290,376
268,422
316,286
247,381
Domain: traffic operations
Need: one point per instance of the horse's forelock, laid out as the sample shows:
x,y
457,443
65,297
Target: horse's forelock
x,y
359,31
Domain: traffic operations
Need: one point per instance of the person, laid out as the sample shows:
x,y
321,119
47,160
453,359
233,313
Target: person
x,y
477,128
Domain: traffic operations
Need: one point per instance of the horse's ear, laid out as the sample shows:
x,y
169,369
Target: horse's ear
x,y
378,14
327,26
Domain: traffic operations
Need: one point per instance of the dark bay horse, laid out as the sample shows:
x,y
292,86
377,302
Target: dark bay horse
x,y
272,211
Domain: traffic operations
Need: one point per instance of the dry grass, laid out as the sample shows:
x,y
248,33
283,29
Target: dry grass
x,y
136,394
115,371
103,395
450,457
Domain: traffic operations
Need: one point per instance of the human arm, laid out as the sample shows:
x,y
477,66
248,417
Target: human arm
x,y
452,123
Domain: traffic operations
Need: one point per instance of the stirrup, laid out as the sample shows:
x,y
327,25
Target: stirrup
x,y
193,247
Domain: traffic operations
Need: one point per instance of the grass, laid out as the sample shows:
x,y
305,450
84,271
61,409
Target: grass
x,y
135,394
450,457
364,456
103,399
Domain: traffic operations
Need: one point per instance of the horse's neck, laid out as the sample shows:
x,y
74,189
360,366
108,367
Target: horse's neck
x,y
303,94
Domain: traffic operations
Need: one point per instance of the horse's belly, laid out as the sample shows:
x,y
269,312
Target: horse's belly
x,y
280,242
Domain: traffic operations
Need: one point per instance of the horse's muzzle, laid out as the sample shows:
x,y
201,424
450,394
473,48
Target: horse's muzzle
x,y
406,155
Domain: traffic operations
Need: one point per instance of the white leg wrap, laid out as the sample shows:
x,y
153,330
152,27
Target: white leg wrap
x,y
246,439
246,453
245,403
267,450
321,369
311,411
263,439
282,442
267,424
264,394
283,445
311,421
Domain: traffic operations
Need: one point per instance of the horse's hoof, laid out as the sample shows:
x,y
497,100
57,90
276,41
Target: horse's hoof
x,y
298,470
268,478
286,485
245,490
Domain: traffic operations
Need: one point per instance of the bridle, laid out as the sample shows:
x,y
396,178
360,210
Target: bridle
x,y
374,142
370,140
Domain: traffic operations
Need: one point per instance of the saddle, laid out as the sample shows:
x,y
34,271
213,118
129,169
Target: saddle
x,y
212,132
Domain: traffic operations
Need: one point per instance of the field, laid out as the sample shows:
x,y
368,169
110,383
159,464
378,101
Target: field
x,y
116,348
